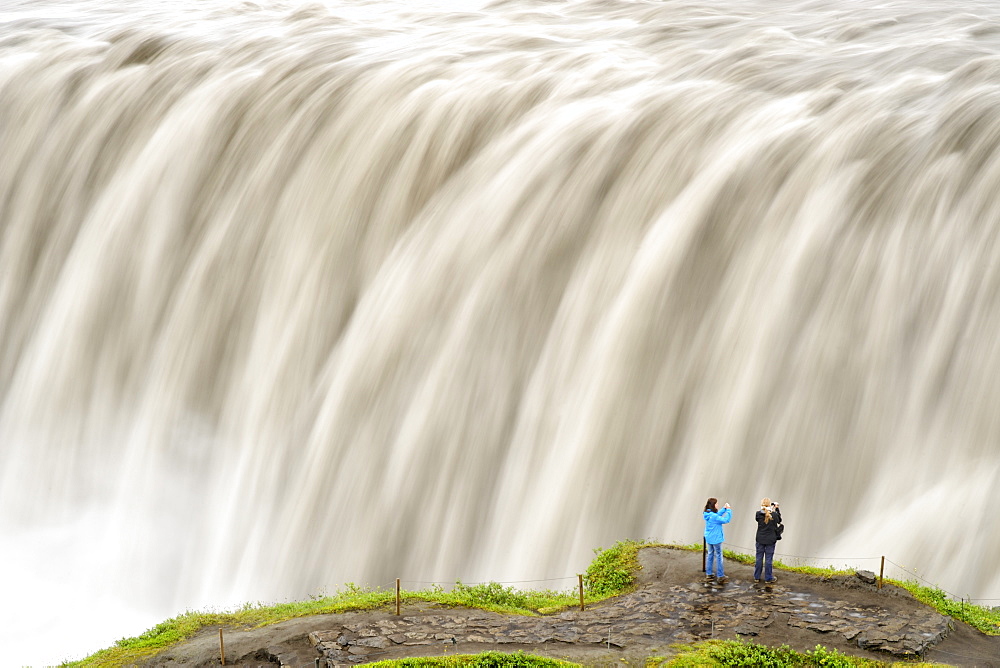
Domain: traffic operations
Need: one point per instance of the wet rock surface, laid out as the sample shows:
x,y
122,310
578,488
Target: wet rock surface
x,y
655,615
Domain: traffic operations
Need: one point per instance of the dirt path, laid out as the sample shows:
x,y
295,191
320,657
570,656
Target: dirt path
x,y
672,604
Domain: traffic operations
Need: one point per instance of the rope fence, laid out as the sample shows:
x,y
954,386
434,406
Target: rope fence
x,y
503,582
879,565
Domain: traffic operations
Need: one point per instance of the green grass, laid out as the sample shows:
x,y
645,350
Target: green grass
x,y
612,572
495,597
484,660
176,629
741,653
986,620
490,596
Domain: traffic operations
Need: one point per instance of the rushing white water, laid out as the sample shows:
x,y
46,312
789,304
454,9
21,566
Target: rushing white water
x,y
293,294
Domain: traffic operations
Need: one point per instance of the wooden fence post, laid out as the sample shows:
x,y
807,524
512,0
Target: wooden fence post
x,y
881,572
222,648
397,597
579,577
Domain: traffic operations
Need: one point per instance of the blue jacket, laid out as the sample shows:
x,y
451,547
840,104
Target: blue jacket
x,y
713,525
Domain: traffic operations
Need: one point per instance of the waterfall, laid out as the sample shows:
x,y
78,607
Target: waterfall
x,y
299,294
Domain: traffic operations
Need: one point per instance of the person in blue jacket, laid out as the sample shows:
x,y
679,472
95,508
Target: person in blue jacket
x,y
714,537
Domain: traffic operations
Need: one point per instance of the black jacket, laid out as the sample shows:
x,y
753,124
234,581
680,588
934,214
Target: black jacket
x,y
767,534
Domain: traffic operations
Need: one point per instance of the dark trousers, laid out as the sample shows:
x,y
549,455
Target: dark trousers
x,y
765,557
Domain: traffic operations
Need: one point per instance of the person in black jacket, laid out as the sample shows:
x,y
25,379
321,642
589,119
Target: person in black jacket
x,y
768,518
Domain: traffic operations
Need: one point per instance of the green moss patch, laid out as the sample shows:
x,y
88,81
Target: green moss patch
x,y
740,653
484,660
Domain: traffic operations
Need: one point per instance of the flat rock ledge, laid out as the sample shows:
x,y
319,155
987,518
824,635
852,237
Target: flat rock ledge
x,y
668,615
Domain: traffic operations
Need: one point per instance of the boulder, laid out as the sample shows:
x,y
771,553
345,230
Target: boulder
x,y
867,577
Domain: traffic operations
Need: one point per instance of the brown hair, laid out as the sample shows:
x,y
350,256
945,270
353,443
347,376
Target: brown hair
x,y
712,504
